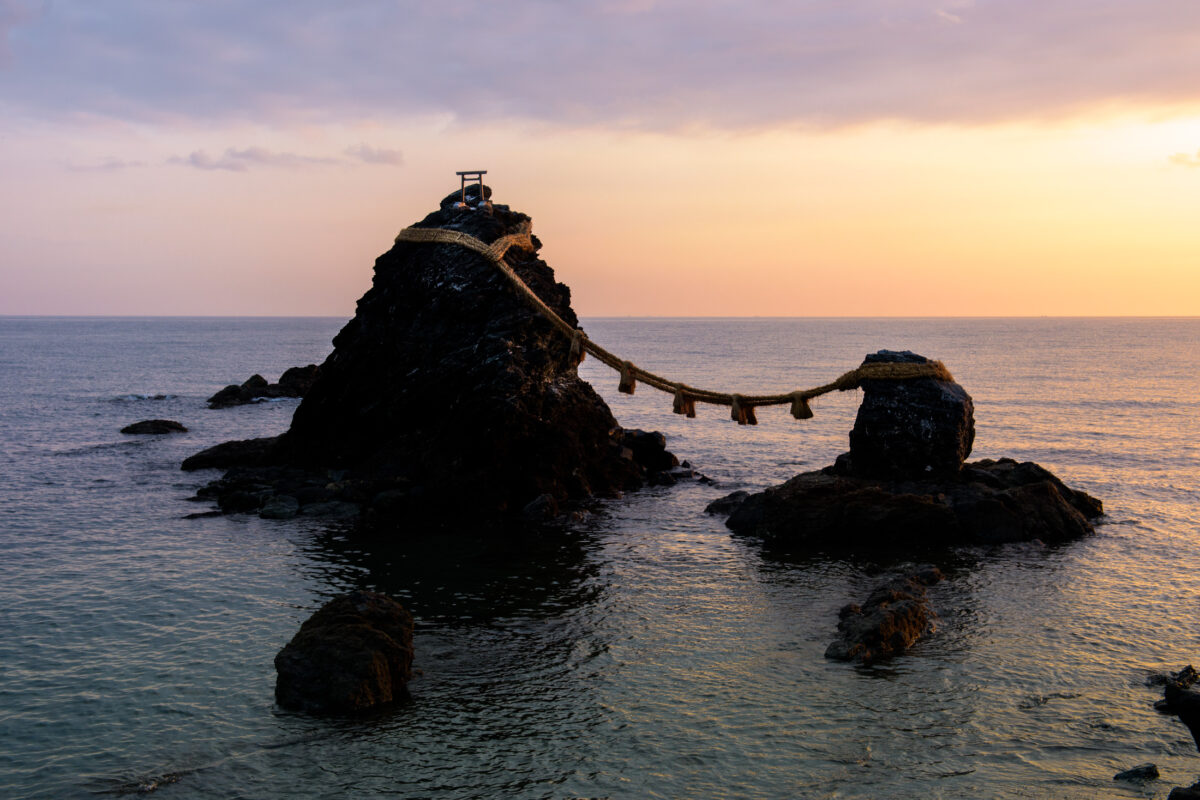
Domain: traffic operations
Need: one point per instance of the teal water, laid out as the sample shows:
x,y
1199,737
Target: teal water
x,y
647,654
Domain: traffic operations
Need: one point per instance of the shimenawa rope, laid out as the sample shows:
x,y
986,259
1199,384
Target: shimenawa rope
x,y
741,406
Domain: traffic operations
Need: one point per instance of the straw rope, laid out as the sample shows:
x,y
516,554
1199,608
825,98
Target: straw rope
x,y
741,405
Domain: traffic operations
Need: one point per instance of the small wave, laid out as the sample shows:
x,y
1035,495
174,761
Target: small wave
x,y
133,398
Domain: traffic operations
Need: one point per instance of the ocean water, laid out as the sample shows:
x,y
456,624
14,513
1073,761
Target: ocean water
x,y
646,654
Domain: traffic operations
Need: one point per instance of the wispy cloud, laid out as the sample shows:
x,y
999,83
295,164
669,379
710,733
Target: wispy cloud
x,y
665,64
375,155
234,160
106,165
1184,160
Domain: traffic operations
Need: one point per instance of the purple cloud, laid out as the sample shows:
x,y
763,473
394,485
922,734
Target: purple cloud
x,y
109,164
634,64
235,160
375,155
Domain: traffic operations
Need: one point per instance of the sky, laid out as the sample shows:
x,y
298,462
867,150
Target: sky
x,y
699,158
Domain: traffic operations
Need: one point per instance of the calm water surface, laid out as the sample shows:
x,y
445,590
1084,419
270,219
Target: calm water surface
x,y
647,655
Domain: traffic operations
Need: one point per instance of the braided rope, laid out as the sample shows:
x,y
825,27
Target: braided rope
x,y
742,405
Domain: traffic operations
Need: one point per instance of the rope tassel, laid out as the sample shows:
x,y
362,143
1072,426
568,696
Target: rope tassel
x,y
741,413
683,404
628,382
800,407
577,351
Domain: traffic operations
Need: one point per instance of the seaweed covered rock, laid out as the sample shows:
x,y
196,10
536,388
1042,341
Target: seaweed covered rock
x,y
451,398
904,482
353,654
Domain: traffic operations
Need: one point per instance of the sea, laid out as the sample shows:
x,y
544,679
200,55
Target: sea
x,y
644,652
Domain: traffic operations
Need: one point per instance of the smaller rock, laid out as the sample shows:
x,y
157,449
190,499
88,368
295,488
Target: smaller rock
x,y
540,509
893,618
295,382
727,504
353,654
154,427
333,509
280,506
1142,772
649,448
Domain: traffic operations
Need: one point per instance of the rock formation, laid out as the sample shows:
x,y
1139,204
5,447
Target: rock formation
x,y
1180,699
353,654
904,482
891,620
447,398
295,382
155,427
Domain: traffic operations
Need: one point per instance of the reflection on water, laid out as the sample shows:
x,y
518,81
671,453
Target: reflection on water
x,y
646,653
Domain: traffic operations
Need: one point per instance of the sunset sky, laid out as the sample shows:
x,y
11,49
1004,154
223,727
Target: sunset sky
x,y
698,158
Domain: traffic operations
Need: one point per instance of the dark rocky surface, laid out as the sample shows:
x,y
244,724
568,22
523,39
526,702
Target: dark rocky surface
x,y
1138,774
1185,792
1180,699
295,382
448,400
355,653
155,427
911,427
904,482
892,619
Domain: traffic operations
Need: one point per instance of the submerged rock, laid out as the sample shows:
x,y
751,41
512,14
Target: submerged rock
x,y
892,619
294,382
451,401
904,482
353,654
155,427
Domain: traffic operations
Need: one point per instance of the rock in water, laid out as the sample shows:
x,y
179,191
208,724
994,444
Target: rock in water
x,y
154,427
353,654
911,427
294,382
451,398
904,483
893,618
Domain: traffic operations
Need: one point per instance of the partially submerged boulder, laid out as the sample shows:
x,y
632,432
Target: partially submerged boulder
x,y
892,619
295,382
355,653
904,482
155,427
449,399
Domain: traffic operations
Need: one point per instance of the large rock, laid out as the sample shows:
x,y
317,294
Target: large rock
x,y
987,502
904,482
353,654
910,427
451,398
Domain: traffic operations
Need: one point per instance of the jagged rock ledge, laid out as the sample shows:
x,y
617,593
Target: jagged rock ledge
x,y
904,482
294,382
447,400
